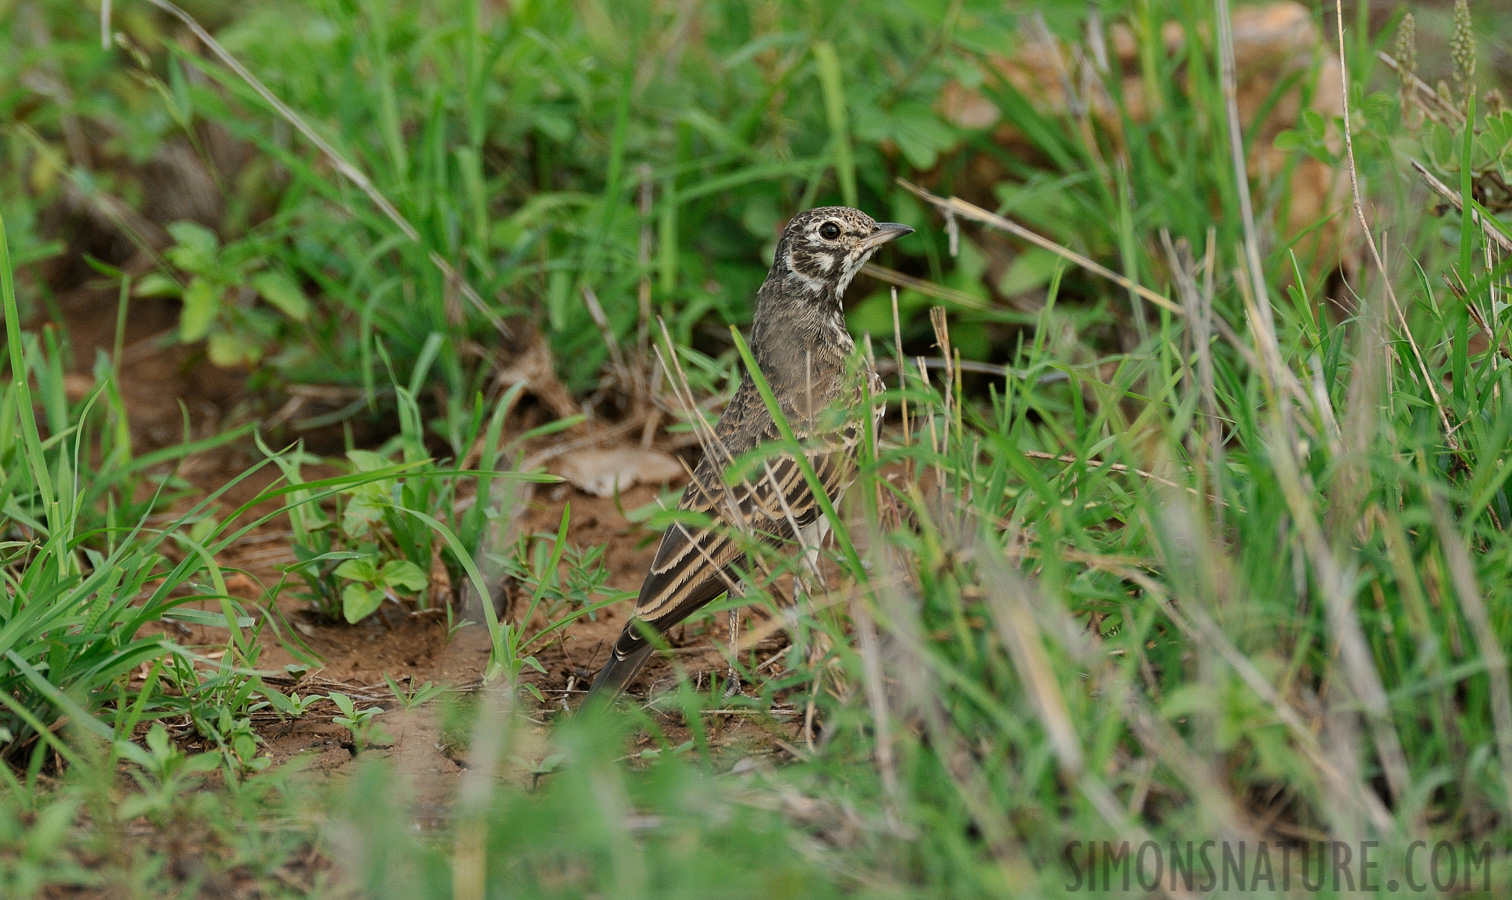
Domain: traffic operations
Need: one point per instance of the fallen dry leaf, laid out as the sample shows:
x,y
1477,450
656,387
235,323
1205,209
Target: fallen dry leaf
x,y
76,386
241,585
599,472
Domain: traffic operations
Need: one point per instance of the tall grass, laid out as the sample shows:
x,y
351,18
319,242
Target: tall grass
x,y
1231,566
533,155
84,573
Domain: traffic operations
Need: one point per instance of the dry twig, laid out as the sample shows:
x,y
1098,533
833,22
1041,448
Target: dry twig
x,y
955,206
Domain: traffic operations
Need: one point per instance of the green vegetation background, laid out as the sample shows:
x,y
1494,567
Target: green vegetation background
x,y
1287,522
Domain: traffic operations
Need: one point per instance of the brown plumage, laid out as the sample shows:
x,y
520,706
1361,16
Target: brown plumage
x,y
800,342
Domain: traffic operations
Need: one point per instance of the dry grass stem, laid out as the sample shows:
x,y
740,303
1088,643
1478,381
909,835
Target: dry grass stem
x,y
1493,655
1488,228
959,207
1198,626
927,288
1370,243
1094,463
902,370
1228,74
1436,107
606,331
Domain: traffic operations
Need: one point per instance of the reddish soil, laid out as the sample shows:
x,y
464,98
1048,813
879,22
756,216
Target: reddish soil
x,y
165,384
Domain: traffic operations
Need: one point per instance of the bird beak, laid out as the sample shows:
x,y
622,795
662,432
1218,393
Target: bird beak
x,y
886,231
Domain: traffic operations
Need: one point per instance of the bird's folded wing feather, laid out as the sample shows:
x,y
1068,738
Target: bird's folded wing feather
x,y
694,563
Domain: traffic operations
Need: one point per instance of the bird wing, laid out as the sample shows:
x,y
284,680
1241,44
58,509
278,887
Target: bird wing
x,y
695,562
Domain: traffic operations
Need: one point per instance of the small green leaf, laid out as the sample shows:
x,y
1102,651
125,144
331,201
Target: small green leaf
x,y
281,291
1442,147
201,303
201,531
1030,271
920,134
358,570
553,123
358,517
200,762
1314,124
1187,700
156,285
227,350
49,829
244,746
358,601
401,573
1289,141
195,247
157,740
1500,127
368,461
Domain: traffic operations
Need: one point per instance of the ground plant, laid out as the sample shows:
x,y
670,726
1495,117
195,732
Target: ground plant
x,y
1181,564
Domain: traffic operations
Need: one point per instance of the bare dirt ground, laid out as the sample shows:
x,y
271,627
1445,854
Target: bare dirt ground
x,y
165,385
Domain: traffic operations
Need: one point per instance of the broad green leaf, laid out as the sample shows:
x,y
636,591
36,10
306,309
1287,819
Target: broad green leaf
x,y
228,350
156,285
1314,124
200,762
920,134
49,828
194,249
281,291
201,531
358,570
401,573
358,601
367,460
1030,271
200,306
1289,141
358,517
157,741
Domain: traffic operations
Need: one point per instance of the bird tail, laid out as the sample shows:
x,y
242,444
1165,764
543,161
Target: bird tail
x,y
625,661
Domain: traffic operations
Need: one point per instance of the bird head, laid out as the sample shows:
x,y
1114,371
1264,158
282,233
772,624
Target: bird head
x,y
823,249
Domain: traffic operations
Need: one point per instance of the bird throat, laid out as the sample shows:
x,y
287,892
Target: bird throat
x,y
800,341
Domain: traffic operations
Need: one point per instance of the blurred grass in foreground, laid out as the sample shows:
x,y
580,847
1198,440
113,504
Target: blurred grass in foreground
x,y
1237,572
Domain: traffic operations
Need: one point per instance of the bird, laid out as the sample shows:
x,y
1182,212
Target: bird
x,y
809,359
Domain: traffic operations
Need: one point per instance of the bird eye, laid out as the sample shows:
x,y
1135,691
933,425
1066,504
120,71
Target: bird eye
x,y
829,231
